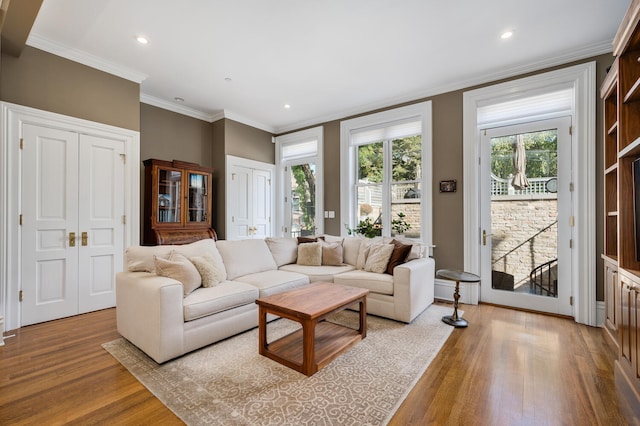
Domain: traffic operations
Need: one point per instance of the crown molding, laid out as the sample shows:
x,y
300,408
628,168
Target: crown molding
x,y
84,58
561,59
241,119
172,106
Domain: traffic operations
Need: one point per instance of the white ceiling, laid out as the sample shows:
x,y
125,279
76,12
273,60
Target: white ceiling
x,y
327,59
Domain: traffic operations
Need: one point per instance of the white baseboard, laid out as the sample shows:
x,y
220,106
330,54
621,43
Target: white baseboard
x,y
600,313
469,292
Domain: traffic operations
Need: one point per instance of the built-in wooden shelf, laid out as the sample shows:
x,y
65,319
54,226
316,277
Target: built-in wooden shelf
x,y
613,213
634,93
611,169
631,150
613,129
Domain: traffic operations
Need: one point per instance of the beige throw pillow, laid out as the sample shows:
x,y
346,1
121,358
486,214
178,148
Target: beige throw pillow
x,y
332,253
180,269
206,265
378,258
310,254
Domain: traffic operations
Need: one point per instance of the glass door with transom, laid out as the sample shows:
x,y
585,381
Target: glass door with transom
x,y
300,200
526,215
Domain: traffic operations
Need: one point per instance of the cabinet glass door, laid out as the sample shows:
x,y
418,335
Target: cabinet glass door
x,y
169,196
197,199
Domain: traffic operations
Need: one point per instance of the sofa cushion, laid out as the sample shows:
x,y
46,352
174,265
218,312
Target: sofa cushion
x,y
140,258
400,253
273,282
309,254
350,250
180,269
318,273
243,257
210,273
418,250
284,250
365,243
378,258
375,283
332,253
226,295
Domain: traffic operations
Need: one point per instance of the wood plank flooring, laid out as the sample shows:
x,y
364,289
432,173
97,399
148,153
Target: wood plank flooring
x,y
507,368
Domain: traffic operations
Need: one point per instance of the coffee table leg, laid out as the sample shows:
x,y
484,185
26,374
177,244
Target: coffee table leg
x,y
262,330
308,347
363,318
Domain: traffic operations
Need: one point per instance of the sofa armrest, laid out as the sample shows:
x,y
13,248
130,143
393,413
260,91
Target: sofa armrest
x,y
149,313
413,288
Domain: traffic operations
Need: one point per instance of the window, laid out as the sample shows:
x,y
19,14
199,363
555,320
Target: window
x,y
299,164
386,159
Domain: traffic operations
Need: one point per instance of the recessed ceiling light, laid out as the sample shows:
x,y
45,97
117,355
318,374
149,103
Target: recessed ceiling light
x,y
228,79
287,106
178,99
142,40
507,34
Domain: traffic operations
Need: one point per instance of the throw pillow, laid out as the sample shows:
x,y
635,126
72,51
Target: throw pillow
x,y
206,265
398,256
302,240
332,253
180,269
378,258
310,254
284,250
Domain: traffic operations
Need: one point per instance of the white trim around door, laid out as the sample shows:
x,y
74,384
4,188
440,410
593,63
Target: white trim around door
x,y
581,79
12,120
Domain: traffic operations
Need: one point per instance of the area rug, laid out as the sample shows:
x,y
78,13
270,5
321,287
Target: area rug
x,y
229,383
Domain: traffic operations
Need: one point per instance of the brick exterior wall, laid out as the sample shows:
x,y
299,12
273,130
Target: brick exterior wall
x,y
514,222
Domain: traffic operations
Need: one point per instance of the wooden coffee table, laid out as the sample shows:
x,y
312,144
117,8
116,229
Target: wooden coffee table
x,y
318,342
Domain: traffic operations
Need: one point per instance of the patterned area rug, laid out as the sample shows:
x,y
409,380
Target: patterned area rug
x,y
229,383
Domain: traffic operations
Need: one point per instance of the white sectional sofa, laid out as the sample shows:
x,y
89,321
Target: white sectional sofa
x,y
159,316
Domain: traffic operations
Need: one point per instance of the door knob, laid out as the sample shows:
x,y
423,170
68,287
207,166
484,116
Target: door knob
x,y
84,237
484,237
72,239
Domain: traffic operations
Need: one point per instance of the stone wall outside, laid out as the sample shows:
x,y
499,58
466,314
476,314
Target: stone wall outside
x,y
514,222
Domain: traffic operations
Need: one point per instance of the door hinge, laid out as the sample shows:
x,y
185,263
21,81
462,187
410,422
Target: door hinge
x,y
124,219
285,199
571,243
572,221
233,218
571,300
124,158
571,130
285,230
571,187
21,143
20,218
20,296
269,181
233,176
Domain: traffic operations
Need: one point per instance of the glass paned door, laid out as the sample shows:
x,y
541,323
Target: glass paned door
x,y
301,179
526,209
169,196
198,197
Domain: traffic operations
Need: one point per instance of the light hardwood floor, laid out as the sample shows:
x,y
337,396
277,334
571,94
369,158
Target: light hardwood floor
x,y
507,368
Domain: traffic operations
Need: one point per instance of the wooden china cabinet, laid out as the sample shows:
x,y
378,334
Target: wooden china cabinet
x,y
621,96
177,205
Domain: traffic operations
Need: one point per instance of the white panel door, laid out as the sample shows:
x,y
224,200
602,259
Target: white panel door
x,y
49,217
240,202
261,203
100,224
72,226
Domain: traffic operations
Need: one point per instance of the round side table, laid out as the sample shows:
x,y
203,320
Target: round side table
x,y
457,276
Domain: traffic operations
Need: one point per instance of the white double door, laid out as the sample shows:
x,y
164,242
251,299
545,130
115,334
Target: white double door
x,y
250,200
72,213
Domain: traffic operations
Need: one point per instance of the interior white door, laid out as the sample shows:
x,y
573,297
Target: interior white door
x,y
100,224
240,202
49,252
526,223
249,199
261,189
72,230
